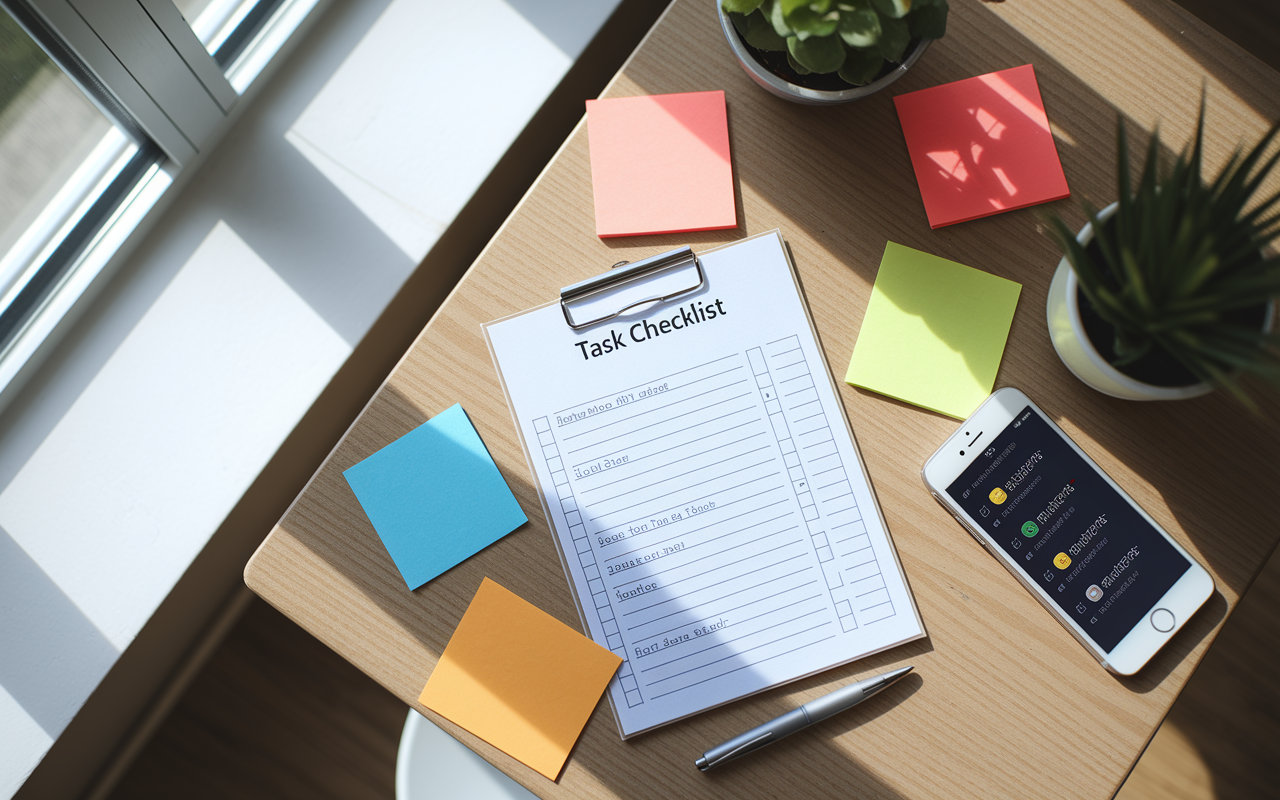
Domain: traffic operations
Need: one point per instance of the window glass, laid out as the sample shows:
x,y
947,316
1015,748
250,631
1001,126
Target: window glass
x,y
215,21
48,128
81,156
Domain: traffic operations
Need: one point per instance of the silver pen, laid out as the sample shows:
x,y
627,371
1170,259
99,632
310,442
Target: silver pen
x,y
810,713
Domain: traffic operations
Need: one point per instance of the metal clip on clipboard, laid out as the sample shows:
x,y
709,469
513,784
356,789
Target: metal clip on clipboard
x,y
624,275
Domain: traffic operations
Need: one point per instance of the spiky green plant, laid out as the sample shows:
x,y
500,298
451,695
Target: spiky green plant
x,y
852,38
1180,259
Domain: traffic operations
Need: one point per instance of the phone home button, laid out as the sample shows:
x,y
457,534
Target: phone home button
x,y
1162,619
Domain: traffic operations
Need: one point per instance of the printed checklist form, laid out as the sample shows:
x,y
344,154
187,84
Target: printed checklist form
x,y
715,519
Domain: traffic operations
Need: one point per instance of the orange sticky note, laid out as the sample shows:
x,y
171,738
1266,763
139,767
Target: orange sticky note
x,y
981,146
660,164
520,679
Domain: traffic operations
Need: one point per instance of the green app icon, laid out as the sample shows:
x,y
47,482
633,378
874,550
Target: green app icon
x,y
1030,529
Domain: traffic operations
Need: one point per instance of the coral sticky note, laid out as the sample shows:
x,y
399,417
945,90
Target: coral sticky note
x,y
660,164
520,679
435,497
981,146
934,332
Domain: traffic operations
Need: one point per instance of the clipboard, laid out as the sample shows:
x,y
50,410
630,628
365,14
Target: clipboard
x,y
713,515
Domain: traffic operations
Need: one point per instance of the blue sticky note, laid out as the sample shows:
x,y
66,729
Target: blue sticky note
x,y
435,496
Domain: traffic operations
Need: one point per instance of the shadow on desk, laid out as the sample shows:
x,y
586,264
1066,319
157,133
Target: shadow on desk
x,y
362,581
798,750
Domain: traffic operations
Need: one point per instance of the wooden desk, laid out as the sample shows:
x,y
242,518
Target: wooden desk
x,y
1003,701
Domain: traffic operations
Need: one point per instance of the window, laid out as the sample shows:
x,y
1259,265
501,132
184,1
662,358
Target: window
x,y
101,103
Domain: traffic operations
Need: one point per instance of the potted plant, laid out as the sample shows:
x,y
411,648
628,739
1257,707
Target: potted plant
x,y
1168,292
821,52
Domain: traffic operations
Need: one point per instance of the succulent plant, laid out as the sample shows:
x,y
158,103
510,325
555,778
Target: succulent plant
x,y
1181,259
853,39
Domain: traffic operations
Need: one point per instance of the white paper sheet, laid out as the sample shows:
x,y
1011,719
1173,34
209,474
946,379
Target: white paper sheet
x,y
712,511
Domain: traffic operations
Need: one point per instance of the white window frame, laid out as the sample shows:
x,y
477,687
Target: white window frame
x,y
156,79
148,57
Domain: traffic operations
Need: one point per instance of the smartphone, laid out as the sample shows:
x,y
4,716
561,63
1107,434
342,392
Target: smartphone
x,y
1110,574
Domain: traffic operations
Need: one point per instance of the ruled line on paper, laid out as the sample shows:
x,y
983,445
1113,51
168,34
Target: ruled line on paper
x,y
713,524
727,642
655,573
692,472
722,597
698,499
744,666
670,405
708,586
735,608
646,384
669,463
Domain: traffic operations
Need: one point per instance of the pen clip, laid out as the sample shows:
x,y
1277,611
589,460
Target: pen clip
x,y
741,749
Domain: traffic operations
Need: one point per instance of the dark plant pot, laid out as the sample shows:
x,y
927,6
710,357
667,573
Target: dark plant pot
x,y
777,79
1083,340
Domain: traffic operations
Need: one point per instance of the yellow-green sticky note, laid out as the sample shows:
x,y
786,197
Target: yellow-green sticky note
x,y
934,332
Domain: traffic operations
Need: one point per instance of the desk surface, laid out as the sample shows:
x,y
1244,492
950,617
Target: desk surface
x,y
1003,701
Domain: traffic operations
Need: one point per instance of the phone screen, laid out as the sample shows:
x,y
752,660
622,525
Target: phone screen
x,y
1070,531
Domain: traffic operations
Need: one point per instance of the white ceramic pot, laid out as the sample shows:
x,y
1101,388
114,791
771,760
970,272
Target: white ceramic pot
x,y
1066,330
800,94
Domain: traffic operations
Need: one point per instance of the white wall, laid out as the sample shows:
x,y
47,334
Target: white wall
x,y
126,453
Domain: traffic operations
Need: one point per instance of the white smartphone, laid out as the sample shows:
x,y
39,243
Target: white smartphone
x,y
1100,564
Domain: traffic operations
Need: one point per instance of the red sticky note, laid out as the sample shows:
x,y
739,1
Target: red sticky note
x,y
981,146
660,164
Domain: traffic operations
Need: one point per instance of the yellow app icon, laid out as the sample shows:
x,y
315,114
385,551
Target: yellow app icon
x,y
998,496
1062,561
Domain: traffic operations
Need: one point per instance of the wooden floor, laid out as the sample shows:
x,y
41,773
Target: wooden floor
x,y
275,714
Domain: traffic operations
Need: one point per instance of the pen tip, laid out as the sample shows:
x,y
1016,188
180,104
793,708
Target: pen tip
x,y
898,673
